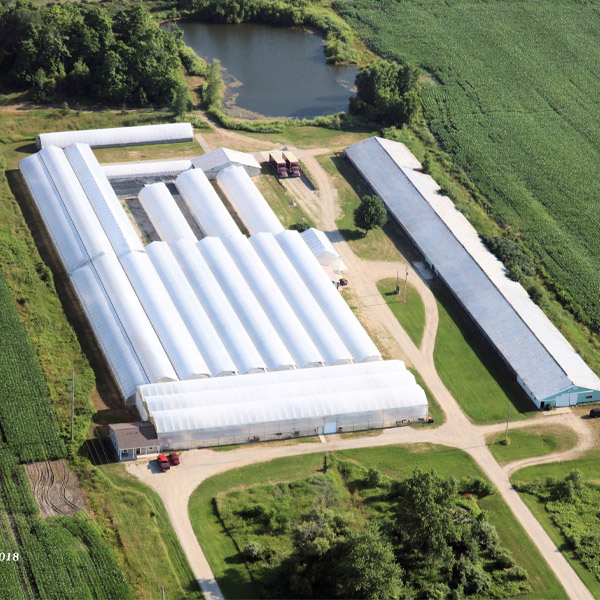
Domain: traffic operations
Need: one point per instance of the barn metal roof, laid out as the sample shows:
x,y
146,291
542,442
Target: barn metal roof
x,y
523,335
224,157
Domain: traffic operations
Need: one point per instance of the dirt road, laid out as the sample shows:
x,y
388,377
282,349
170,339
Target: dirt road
x,y
176,486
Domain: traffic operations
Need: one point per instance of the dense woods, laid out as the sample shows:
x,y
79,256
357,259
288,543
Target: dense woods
x,y
73,50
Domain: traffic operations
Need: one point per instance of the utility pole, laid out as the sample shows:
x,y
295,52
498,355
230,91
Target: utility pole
x,y
397,283
507,420
162,592
72,403
405,282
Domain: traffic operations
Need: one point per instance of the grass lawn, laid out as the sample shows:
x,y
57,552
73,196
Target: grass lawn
x,y
410,314
378,243
150,152
279,200
435,410
394,461
472,371
531,441
135,524
589,465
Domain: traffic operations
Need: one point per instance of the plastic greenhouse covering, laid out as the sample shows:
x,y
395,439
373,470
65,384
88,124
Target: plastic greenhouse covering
x,y
248,202
294,378
103,199
59,224
219,309
323,250
76,202
303,350
164,316
330,300
146,168
245,304
301,300
119,136
168,220
118,351
199,324
284,391
205,205
142,336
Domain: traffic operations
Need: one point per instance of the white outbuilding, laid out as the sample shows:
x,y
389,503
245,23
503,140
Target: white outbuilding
x,y
217,160
324,251
147,169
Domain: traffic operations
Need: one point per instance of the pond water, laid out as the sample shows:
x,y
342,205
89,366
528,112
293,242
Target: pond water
x,y
272,71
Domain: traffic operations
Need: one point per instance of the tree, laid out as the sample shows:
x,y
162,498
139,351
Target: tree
x,y
181,100
370,213
369,568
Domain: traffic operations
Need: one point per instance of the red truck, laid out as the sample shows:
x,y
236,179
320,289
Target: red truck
x,y
291,163
277,163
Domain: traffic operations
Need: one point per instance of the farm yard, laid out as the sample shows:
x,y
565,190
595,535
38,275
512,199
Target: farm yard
x,y
511,92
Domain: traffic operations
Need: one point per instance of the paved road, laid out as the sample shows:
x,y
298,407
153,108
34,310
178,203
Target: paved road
x,y
176,487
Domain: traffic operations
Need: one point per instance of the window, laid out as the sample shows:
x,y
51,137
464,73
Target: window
x,y
589,397
124,452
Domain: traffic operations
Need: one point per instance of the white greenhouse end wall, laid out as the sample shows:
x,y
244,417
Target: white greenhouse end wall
x,y
165,215
119,136
248,202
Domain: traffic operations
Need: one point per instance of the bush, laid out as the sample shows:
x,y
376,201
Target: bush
x,y
477,486
252,552
300,227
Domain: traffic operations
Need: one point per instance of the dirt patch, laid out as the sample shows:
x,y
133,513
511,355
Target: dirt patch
x,y
55,487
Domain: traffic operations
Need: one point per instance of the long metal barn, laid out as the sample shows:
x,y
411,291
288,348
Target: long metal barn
x,y
543,362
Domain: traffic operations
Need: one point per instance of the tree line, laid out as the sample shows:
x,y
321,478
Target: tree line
x,y
73,50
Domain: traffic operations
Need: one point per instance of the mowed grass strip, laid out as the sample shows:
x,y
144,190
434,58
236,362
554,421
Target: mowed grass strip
x,y
471,370
135,524
527,442
410,313
394,461
435,410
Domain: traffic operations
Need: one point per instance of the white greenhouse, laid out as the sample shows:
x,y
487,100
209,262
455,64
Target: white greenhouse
x,y
76,202
248,202
334,306
323,250
334,402
227,323
146,169
281,314
205,205
118,352
59,225
142,336
245,304
103,200
119,136
317,325
168,220
195,317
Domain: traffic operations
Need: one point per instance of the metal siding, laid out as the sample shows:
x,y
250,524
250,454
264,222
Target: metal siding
x,y
521,349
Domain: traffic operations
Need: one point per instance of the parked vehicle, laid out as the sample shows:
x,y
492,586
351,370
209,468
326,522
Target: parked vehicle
x,y
343,282
291,164
174,458
594,413
163,462
277,163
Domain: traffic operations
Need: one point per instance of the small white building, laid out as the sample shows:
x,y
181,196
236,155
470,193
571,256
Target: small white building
x,y
217,160
320,245
134,439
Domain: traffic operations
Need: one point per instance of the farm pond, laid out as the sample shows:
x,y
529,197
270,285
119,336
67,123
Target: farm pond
x,y
272,71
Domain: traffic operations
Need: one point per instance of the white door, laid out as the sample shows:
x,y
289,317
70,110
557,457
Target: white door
x,y
320,431
330,427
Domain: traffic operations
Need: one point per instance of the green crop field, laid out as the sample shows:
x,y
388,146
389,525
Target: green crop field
x,y
513,95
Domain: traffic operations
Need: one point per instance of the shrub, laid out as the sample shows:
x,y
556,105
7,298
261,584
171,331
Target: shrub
x,y
252,552
300,227
477,486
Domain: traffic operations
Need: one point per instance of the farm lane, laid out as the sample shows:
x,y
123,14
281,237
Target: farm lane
x,y
458,431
